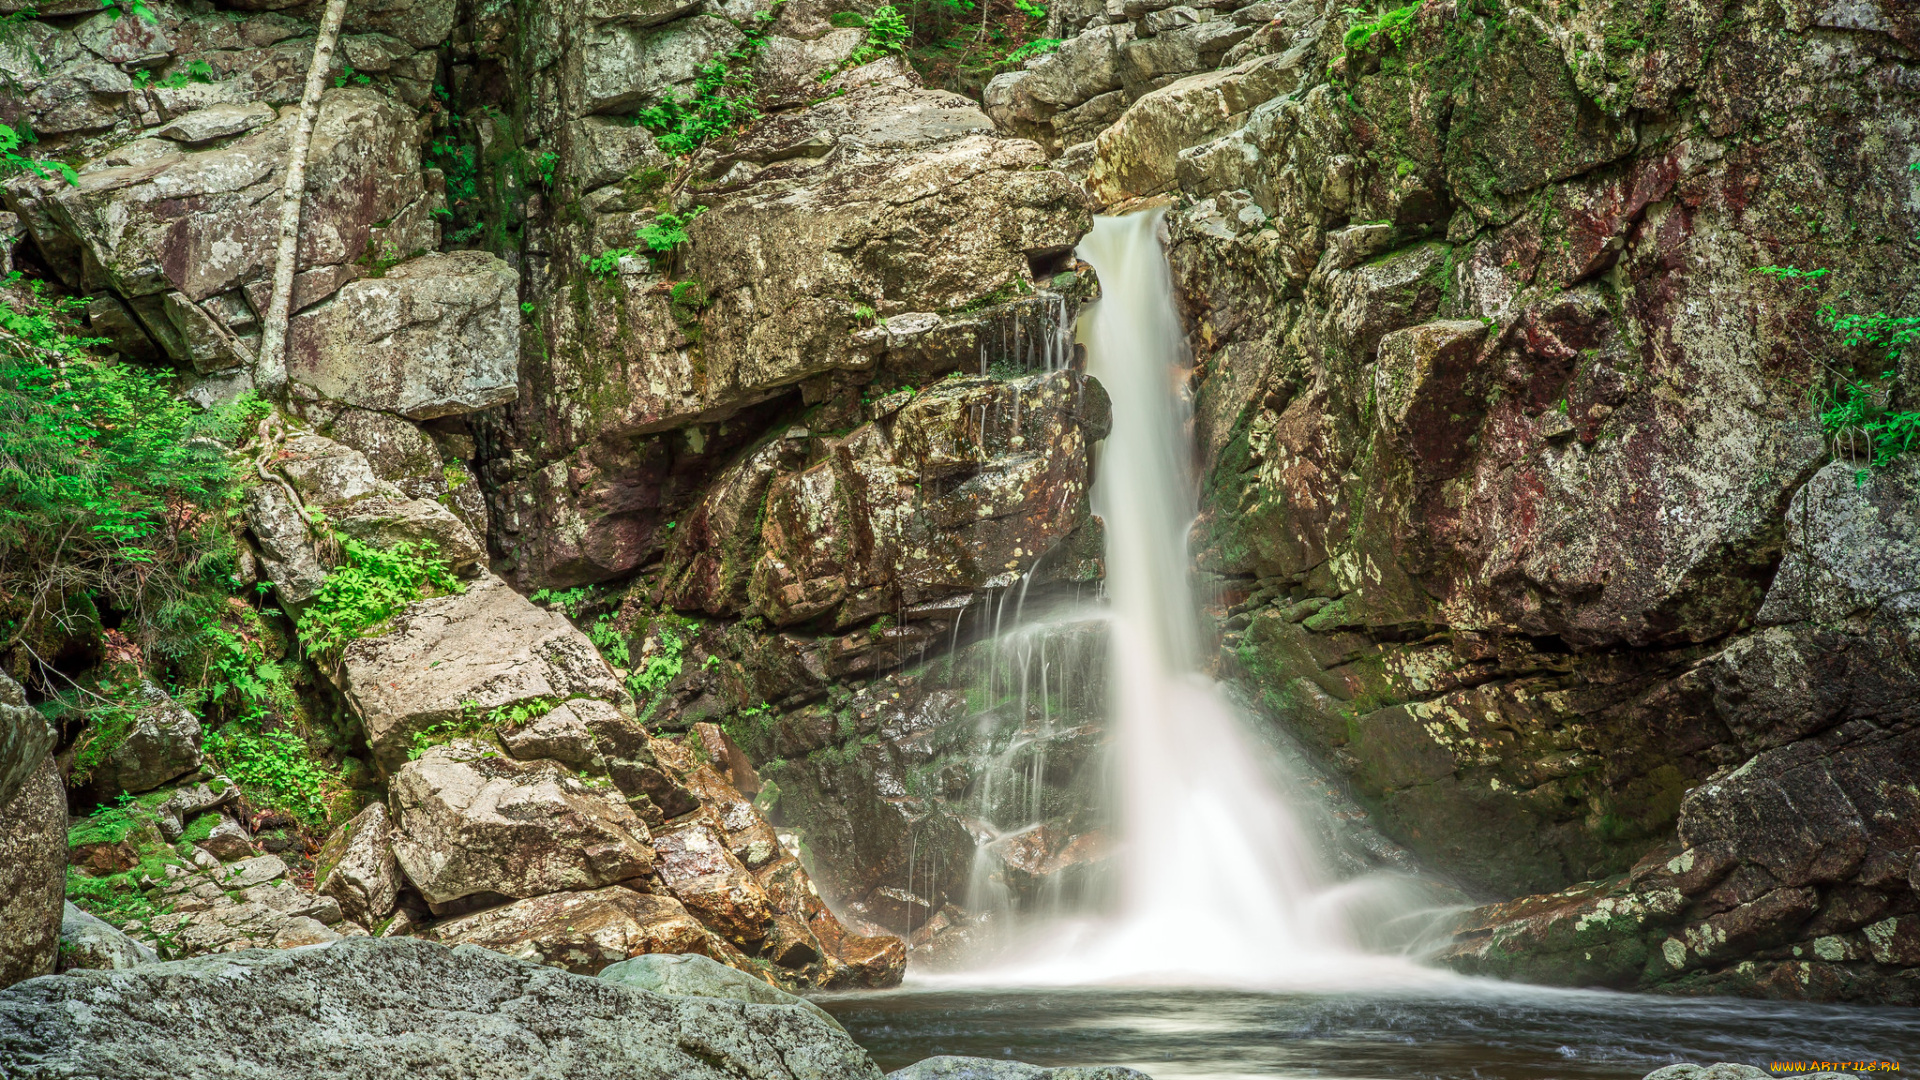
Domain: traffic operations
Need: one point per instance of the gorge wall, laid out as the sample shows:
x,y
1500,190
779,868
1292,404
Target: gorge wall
x,y
1511,325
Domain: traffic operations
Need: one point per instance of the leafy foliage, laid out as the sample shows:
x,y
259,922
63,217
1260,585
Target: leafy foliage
x,y
1036,47
12,162
887,32
720,104
1396,25
278,763
110,486
367,590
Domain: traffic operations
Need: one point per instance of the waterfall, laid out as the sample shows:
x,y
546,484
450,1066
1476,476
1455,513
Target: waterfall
x,y
1217,881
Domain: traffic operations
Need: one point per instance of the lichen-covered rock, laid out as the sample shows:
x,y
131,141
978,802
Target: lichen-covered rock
x,y
948,1067
400,1007
454,657
161,744
434,336
468,821
807,214
190,222
583,932
33,864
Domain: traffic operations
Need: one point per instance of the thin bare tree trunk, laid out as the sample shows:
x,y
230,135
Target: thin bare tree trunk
x,y
270,370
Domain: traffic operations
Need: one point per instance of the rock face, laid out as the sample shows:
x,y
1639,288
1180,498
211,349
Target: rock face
x,y
435,336
1516,509
800,256
33,860
399,1008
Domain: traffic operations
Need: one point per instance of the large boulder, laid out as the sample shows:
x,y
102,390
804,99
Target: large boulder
x,y
25,739
399,1008
583,931
190,221
434,336
162,744
863,231
454,658
469,820
357,869
33,867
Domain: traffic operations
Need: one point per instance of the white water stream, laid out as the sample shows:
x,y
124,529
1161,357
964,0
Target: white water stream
x,y
1218,884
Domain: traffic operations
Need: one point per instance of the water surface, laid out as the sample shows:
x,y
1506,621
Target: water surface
x,y
1498,1033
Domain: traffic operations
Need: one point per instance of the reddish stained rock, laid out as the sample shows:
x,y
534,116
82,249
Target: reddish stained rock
x,y
583,931
963,489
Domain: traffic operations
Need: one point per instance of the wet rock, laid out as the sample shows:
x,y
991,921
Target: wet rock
x,y
1726,1070
471,821
435,336
403,1000
33,862
582,932
484,649
87,942
357,869
698,869
162,744
698,976
1001,469
25,739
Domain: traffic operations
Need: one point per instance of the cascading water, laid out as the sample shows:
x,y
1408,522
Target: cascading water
x,y
1216,881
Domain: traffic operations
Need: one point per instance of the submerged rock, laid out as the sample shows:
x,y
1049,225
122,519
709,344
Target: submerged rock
x,y
973,1068
697,976
400,1009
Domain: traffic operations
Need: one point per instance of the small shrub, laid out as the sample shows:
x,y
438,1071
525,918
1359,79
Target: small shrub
x,y
367,590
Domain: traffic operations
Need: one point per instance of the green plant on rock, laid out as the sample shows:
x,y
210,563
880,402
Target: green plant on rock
x,y
685,301
887,32
12,162
369,588
113,491
1396,25
666,231
720,104
1036,47
277,764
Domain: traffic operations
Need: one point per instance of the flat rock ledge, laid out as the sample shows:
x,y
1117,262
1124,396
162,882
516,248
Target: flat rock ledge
x,y
398,1009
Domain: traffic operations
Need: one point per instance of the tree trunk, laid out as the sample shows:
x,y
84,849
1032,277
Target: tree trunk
x,y
270,369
